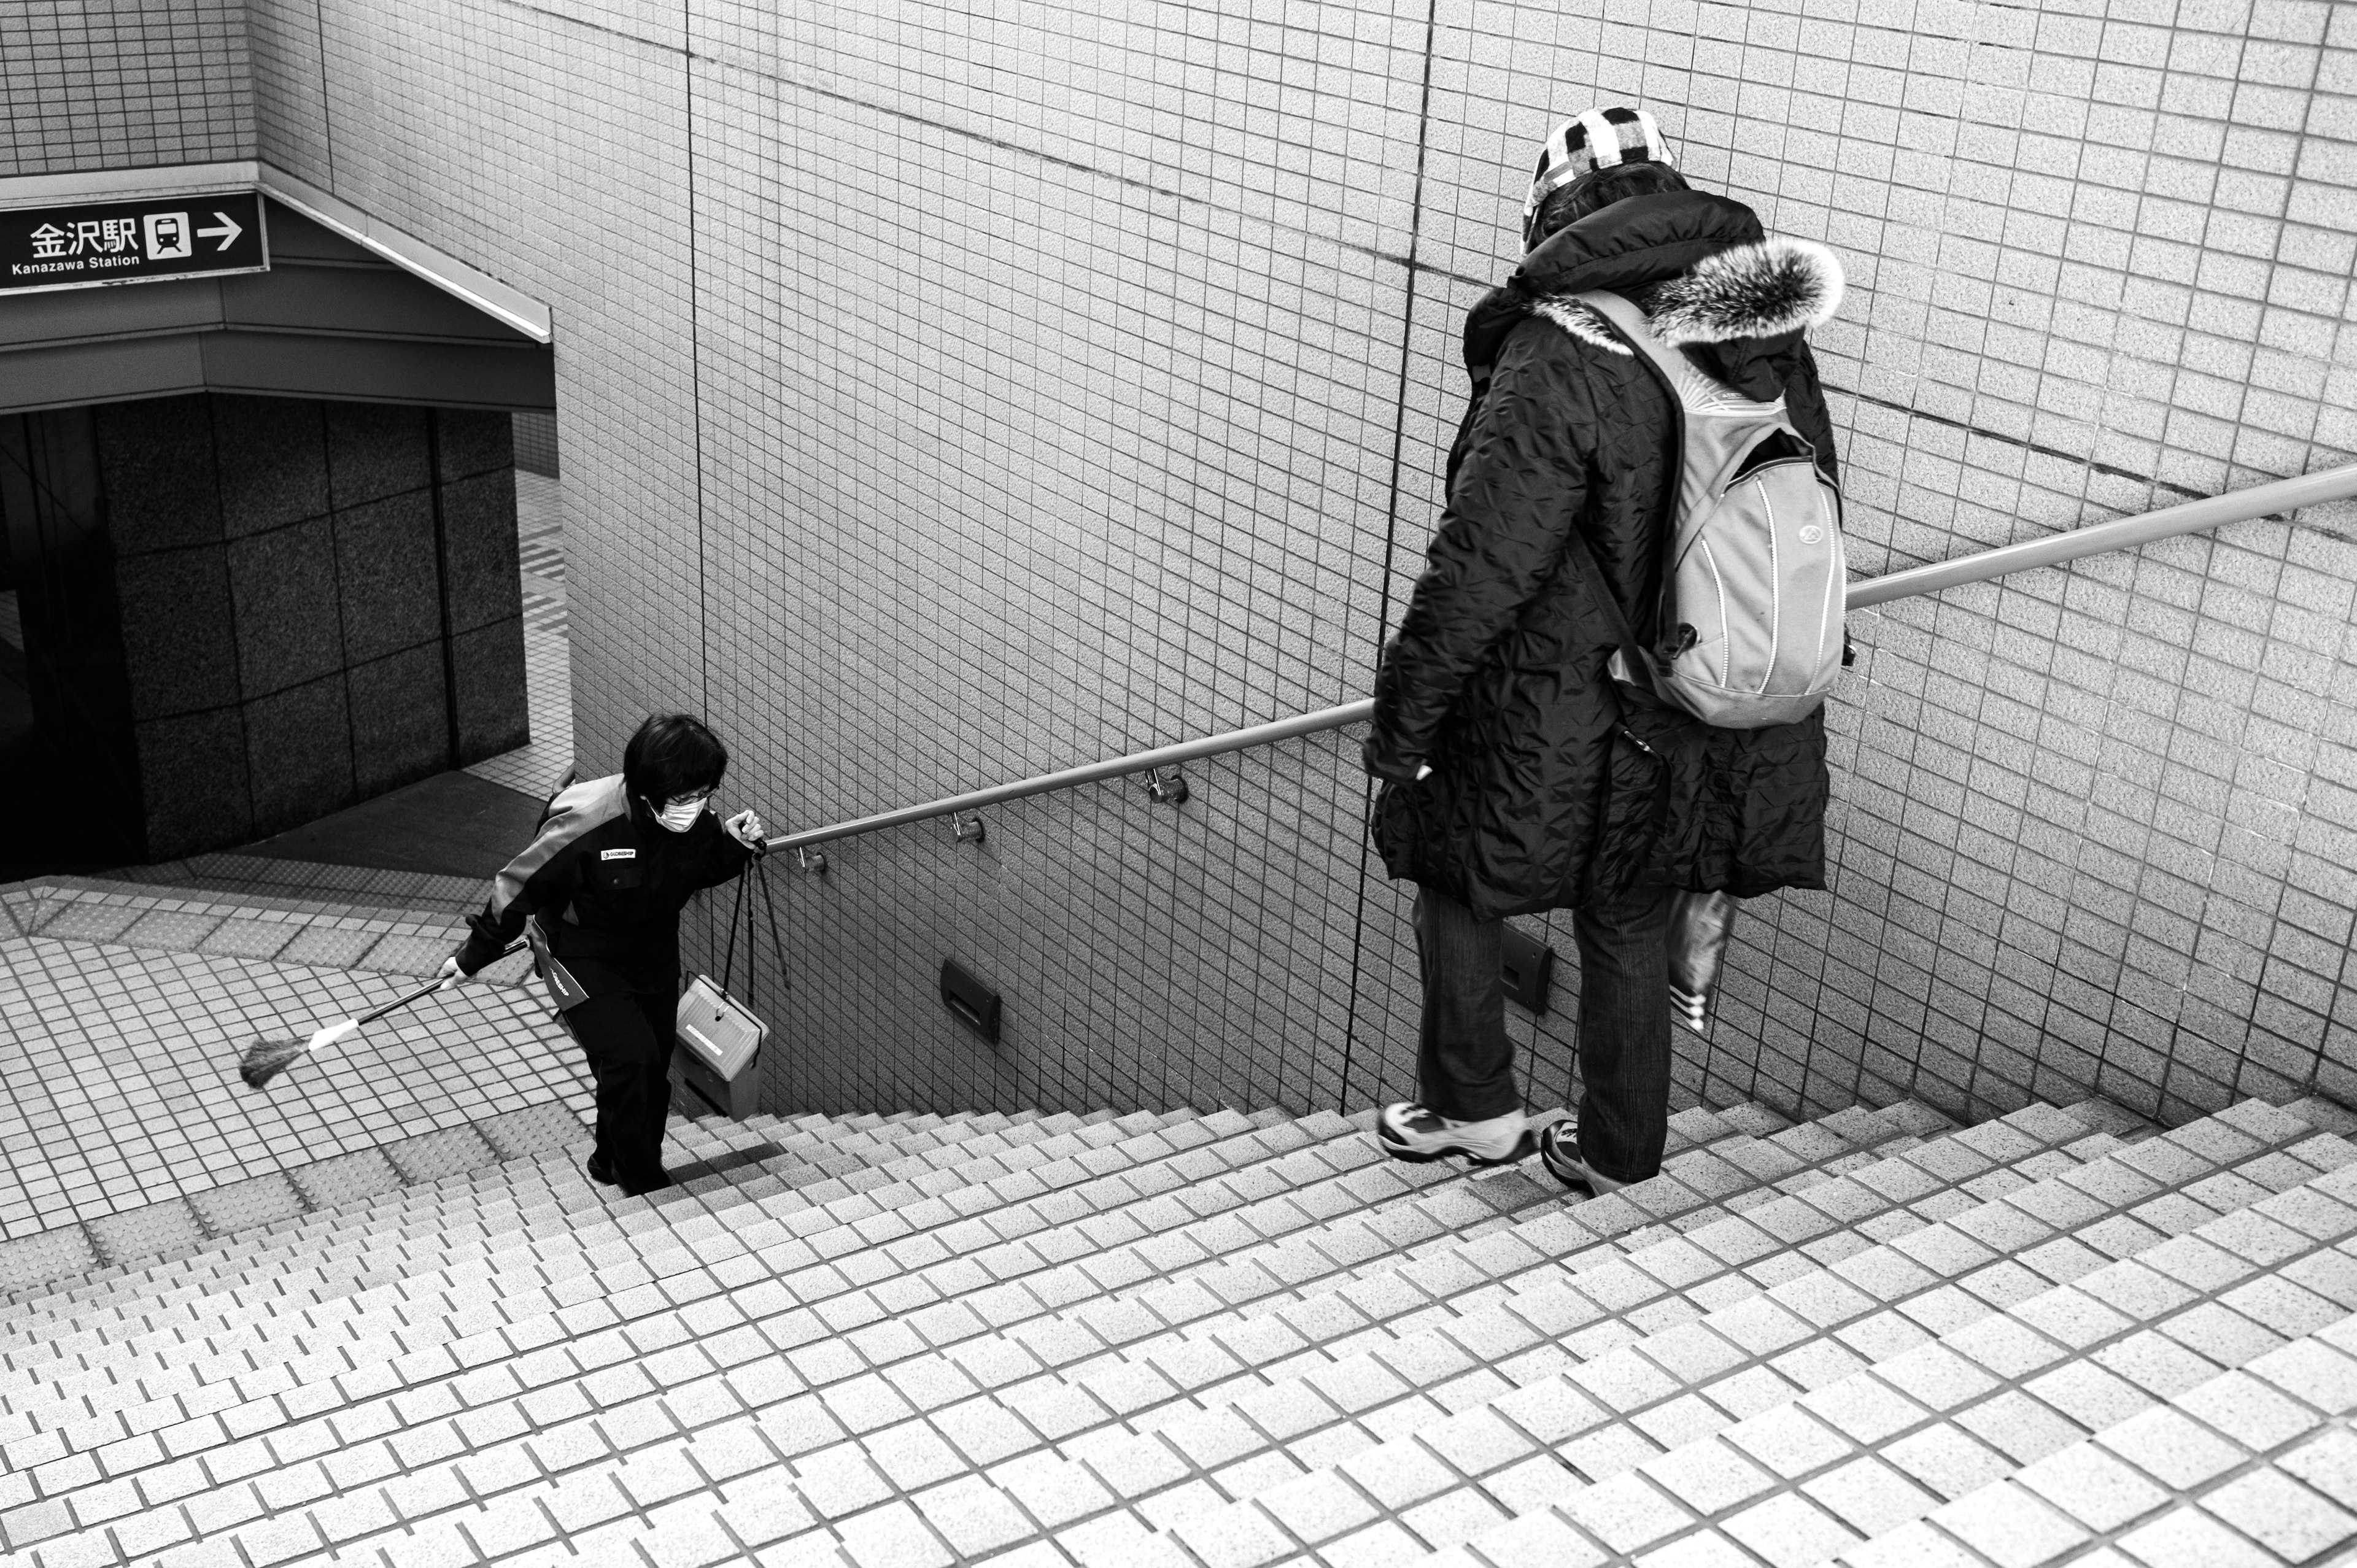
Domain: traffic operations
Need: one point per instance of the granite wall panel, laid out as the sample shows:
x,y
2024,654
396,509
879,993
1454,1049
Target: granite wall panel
x,y
388,575
299,753
468,442
197,789
271,651
487,710
375,450
400,719
162,491
478,542
286,598
271,453
179,630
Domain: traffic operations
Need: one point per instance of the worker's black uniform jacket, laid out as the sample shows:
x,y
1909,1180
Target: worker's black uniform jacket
x,y
606,884
1539,797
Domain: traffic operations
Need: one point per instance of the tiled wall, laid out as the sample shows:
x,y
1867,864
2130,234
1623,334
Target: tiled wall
x,y
950,391
93,84
535,444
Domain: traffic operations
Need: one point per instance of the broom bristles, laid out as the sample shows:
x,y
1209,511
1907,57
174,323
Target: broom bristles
x,y
265,1059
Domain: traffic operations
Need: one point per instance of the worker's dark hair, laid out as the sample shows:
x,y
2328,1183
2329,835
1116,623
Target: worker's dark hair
x,y
1598,190
670,755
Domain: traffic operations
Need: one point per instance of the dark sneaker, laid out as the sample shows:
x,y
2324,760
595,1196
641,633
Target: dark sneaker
x,y
600,1172
1559,1151
1417,1134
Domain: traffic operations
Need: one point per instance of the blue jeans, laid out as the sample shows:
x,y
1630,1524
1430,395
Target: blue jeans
x,y
1465,1064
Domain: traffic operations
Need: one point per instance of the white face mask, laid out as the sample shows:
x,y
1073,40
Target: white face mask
x,y
679,818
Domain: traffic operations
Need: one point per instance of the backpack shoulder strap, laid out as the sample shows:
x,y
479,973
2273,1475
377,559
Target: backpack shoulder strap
x,y
1636,664
1667,365
1631,324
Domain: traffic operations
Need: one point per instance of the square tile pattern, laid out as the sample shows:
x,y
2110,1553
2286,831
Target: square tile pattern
x,y
1154,447
859,1341
120,1051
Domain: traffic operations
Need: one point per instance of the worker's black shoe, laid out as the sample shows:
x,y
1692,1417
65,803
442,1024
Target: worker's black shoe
x,y
640,1189
600,1170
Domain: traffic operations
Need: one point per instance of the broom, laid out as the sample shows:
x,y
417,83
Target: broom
x,y
266,1058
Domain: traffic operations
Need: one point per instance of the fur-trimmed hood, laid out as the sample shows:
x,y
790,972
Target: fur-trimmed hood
x,y
1699,265
1777,286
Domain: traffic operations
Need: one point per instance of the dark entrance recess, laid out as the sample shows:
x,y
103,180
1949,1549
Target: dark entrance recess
x,y
242,614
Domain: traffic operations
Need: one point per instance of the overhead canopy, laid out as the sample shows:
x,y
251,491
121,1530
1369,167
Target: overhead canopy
x,y
332,318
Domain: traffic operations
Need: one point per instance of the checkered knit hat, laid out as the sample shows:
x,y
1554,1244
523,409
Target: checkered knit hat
x,y
1600,138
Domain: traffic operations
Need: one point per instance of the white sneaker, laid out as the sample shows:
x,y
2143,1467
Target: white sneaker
x,y
1417,1134
1559,1151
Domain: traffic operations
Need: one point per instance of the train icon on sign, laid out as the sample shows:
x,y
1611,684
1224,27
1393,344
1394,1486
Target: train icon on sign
x,y
170,237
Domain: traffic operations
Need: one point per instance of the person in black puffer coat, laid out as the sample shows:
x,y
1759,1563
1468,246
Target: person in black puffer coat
x,y
1498,732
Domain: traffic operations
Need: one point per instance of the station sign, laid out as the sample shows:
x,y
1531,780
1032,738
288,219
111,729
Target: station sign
x,y
91,244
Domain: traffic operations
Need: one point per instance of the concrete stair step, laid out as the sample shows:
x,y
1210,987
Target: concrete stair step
x,y
1699,1182
440,1193
77,1260
243,1377
1456,1325
1331,1381
434,1204
1233,1275
2263,1452
917,1350
785,1435
928,1368
1988,1398
1829,1342
1220,1356
468,1223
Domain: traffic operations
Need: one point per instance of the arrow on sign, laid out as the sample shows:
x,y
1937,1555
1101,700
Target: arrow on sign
x,y
229,230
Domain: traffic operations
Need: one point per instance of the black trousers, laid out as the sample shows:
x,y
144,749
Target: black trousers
x,y
1466,1064
629,1036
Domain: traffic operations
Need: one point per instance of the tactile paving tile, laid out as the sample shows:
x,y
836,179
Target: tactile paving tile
x,y
540,1129
262,1200
25,911
432,1156
248,939
406,955
170,930
346,1178
137,1233
45,1255
328,947
89,922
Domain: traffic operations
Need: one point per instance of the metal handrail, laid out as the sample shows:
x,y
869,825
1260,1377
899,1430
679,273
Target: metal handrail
x,y
1089,773
2276,497
2272,498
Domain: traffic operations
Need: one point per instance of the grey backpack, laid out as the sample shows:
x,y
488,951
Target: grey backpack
x,y
1753,580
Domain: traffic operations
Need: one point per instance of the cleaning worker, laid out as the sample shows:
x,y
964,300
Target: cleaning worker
x,y
602,884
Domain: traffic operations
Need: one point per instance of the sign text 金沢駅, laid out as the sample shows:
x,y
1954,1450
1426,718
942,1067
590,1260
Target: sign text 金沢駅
x,y
96,243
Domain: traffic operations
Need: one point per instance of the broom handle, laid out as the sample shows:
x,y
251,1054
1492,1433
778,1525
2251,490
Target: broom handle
x,y
432,985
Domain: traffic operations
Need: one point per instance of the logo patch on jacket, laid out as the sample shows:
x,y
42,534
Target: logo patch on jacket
x,y
617,854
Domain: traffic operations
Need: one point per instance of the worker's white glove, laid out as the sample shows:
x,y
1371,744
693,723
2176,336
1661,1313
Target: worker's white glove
x,y
450,974
747,828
